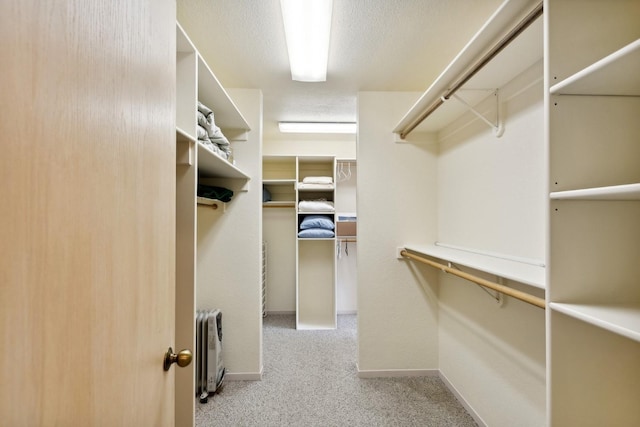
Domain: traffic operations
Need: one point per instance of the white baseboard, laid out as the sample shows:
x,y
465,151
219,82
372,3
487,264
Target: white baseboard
x,y
243,376
462,400
390,373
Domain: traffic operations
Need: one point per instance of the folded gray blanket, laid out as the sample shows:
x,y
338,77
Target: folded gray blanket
x,y
204,109
202,133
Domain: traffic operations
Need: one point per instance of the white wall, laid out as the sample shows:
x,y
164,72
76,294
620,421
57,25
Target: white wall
x,y
397,301
230,252
491,190
491,196
342,147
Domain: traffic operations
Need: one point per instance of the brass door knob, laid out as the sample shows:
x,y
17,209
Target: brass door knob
x,y
183,358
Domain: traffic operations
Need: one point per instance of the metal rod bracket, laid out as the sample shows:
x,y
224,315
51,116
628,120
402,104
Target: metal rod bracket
x,y
498,125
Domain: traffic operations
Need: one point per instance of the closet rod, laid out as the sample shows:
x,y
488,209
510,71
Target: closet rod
x,y
522,296
495,50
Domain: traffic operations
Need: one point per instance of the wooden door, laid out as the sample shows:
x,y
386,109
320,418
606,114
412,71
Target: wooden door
x,y
87,212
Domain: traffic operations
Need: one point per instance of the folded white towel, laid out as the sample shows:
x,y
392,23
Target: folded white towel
x,y
315,206
318,180
307,186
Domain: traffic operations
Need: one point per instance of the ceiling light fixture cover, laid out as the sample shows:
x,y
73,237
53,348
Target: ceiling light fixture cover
x,y
317,127
307,25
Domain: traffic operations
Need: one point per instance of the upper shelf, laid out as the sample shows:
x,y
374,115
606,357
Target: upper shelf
x,y
209,90
279,182
212,94
616,192
616,74
519,55
529,274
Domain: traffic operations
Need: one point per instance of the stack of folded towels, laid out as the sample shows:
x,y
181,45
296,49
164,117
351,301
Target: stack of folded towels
x,y
316,227
210,135
316,183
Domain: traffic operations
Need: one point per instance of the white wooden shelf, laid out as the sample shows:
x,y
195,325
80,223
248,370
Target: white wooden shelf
x,y
278,182
204,87
181,135
309,239
622,319
529,274
616,74
514,59
279,204
316,213
212,94
616,192
211,165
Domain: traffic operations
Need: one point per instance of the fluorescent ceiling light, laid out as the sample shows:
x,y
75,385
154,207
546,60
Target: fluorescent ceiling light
x,y
316,127
307,24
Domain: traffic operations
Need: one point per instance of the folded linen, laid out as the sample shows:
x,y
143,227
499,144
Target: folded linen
x,y
316,233
317,221
217,137
315,206
207,122
307,186
214,149
212,192
204,109
317,180
202,133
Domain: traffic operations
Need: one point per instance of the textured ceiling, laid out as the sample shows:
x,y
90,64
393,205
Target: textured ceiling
x,y
376,45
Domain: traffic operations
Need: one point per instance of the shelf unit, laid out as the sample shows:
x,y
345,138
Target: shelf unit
x,y
518,56
195,82
315,258
279,177
593,104
530,273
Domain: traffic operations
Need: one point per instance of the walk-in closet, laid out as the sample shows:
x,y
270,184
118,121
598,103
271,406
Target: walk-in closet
x,y
440,225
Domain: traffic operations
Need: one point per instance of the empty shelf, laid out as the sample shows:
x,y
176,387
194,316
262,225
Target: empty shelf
x,y
616,192
616,74
529,274
623,319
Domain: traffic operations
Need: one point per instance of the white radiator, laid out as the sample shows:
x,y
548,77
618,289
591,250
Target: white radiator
x,y
209,365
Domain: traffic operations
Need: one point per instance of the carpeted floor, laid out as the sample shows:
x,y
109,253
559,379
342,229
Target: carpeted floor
x,y
310,379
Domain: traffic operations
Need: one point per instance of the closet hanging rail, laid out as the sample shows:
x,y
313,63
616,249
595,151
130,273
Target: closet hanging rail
x,y
522,296
484,60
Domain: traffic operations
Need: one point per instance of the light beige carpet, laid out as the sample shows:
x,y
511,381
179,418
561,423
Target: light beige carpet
x,y
310,379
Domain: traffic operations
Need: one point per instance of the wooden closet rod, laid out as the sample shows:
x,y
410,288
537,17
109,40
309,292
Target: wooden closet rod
x,y
522,296
495,50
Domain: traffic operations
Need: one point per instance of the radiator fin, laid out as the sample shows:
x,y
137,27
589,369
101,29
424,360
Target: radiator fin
x,y
209,364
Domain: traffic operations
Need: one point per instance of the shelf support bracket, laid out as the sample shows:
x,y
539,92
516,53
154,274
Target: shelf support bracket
x,y
498,126
497,296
